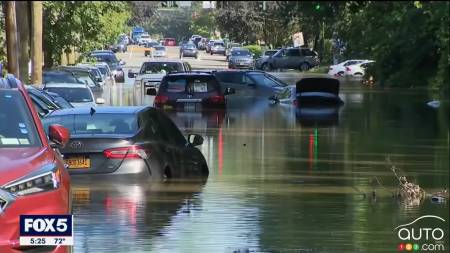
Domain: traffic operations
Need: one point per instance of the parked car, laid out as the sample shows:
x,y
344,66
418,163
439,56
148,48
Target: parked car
x,y
77,94
230,46
188,50
85,75
95,72
169,42
291,58
128,140
357,70
339,69
144,39
59,76
150,47
114,64
44,102
106,72
120,46
313,91
152,72
217,48
202,44
209,45
33,177
190,91
241,58
263,58
250,83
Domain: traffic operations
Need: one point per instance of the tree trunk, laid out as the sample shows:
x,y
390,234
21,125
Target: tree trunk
x,y
23,27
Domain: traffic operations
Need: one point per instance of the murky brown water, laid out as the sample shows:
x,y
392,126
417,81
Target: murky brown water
x,y
279,182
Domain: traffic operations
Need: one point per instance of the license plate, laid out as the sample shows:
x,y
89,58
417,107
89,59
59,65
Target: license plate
x,y
78,162
191,107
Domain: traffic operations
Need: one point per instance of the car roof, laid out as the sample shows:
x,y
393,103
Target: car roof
x,y
102,52
100,110
164,60
66,85
191,73
76,68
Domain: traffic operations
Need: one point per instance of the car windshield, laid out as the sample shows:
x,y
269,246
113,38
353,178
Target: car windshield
x,y
102,123
240,53
190,46
59,78
269,53
103,70
60,101
20,129
191,84
266,80
72,94
218,44
160,48
160,67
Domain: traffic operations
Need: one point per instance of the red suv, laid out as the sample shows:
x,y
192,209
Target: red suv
x,y
33,179
169,42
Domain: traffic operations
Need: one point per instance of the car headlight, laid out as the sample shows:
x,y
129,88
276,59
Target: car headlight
x,y
137,82
45,179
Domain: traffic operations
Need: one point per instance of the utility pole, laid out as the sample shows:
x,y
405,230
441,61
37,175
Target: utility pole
x,y
23,27
11,38
36,42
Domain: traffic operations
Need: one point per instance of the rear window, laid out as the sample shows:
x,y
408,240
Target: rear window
x,y
160,67
191,84
218,44
73,95
17,128
104,123
59,78
240,53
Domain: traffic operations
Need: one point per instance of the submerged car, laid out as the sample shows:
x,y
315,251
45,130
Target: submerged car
x,y
33,177
217,47
86,75
114,64
59,76
140,141
291,58
152,72
188,50
150,47
190,91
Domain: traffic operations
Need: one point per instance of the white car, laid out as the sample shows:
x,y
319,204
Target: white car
x,y
144,39
339,69
357,70
77,95
159,51
153,71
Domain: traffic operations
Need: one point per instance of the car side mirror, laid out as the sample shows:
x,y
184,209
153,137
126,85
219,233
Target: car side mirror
x,y
58,135
195,139
131,74
100,101
151,92
229,91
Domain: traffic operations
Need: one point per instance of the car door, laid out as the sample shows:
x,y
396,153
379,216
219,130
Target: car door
x,y
237,81
189,160
278,60
293,58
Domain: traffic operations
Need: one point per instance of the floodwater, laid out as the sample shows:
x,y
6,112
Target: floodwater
x,y
280,180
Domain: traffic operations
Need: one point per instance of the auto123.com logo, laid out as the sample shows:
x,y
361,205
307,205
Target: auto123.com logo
x,y
424,234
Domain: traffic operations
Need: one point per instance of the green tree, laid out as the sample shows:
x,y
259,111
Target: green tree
x,y
85,25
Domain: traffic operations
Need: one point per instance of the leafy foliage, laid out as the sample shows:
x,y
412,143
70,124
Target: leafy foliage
x,y
83,24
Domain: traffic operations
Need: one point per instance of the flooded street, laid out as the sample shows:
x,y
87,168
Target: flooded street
x,y
280,180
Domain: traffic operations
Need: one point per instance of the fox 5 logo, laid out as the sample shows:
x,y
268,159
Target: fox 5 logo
x,y
46,225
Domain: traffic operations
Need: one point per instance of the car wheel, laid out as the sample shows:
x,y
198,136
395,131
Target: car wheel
x,y
266,67
304,66
211,53
340,73
358,74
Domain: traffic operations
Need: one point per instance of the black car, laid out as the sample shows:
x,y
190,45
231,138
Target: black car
x,y
250,83
190,91
114,64
140,141
60,76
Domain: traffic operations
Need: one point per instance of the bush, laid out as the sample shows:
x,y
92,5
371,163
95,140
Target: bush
x,y
255,49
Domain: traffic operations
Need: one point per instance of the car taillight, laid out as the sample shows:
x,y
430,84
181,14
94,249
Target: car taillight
x,y
347,69
160,100
131,152
217,99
